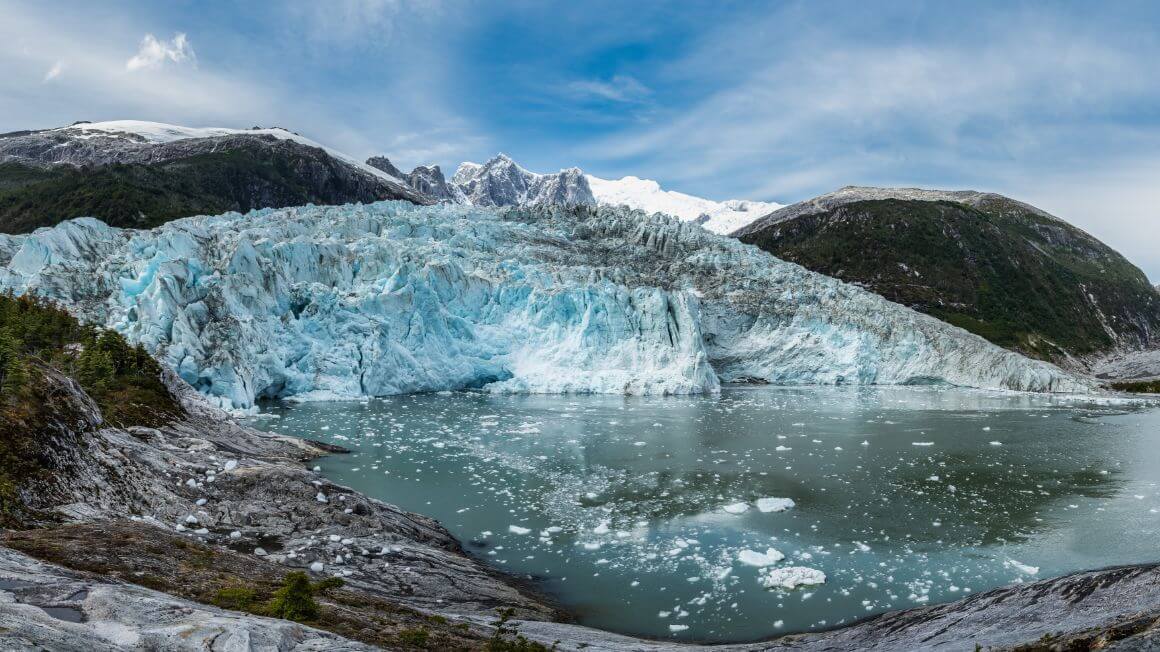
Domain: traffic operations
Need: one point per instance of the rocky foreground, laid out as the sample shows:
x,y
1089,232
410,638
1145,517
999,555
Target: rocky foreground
x,y
168,538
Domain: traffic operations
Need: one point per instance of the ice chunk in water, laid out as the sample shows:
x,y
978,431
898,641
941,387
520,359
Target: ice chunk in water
x,y
791,577
1021,567
759,559
736,508
766,505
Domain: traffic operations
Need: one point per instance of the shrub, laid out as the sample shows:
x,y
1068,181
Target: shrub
x,y
416,637
295,600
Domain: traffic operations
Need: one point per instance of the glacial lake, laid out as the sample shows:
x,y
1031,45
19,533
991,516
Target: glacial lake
x,y
636,513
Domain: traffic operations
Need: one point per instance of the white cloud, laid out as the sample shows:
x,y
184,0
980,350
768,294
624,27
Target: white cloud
x,y
620,88
349,117
1045,111
153,53
33,41
812,115
54,71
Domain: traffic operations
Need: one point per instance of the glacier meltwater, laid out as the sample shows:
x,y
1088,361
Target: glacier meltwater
x,y
392,298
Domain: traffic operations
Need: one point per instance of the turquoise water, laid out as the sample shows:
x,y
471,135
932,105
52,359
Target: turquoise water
x,y
635,512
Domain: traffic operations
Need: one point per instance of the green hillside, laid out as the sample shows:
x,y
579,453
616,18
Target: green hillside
x,y
1001,269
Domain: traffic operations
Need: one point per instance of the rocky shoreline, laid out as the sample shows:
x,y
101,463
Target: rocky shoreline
x,y
160,538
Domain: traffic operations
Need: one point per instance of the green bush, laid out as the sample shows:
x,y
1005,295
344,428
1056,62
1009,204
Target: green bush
x,y
416,637
237,598
295,600
1138,387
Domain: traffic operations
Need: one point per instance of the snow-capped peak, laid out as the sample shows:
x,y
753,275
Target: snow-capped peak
x,y
503,182
647,195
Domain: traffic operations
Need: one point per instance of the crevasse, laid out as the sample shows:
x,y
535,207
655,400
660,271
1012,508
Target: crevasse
x,y
388,298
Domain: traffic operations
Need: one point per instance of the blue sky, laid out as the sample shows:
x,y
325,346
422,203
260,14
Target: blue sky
x,y
1055,103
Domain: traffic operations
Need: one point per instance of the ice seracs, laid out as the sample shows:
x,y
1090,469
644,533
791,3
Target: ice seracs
x,y
390,298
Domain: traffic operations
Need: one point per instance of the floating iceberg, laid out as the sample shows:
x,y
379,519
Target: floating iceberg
x,y
792,577
753,558
766,505
389,298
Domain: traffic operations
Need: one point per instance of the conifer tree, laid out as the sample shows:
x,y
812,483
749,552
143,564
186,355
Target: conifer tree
x,y
13,371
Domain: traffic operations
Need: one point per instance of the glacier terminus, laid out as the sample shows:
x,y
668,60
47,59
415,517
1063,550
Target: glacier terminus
x,y
389,298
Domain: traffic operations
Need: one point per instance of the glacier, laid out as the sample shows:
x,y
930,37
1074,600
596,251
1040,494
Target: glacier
x,y
388,298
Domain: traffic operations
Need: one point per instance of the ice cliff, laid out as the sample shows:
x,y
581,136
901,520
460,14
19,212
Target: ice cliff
x,y
391,297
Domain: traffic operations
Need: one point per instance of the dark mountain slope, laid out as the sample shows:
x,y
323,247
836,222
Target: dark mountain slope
x,y
994,266
127,179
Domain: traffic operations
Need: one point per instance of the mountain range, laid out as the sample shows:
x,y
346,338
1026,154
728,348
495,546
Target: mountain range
x,y
138,514
502,182
1000,268
141,174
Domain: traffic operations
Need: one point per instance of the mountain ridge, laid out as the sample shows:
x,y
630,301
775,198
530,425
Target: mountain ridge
x,y
1006,270
501,181
141,174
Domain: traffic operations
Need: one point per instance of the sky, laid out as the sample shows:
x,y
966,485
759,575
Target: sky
x,y
1054,103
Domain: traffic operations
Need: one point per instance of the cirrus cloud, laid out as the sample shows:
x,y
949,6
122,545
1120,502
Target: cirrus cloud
x,y
619,88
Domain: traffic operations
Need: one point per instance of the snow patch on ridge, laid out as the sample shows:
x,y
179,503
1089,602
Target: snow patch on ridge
x,y
159,132
647,195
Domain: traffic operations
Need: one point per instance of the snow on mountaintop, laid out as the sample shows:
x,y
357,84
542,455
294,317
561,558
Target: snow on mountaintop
x,y
159,132
647,195
503,182
850,194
